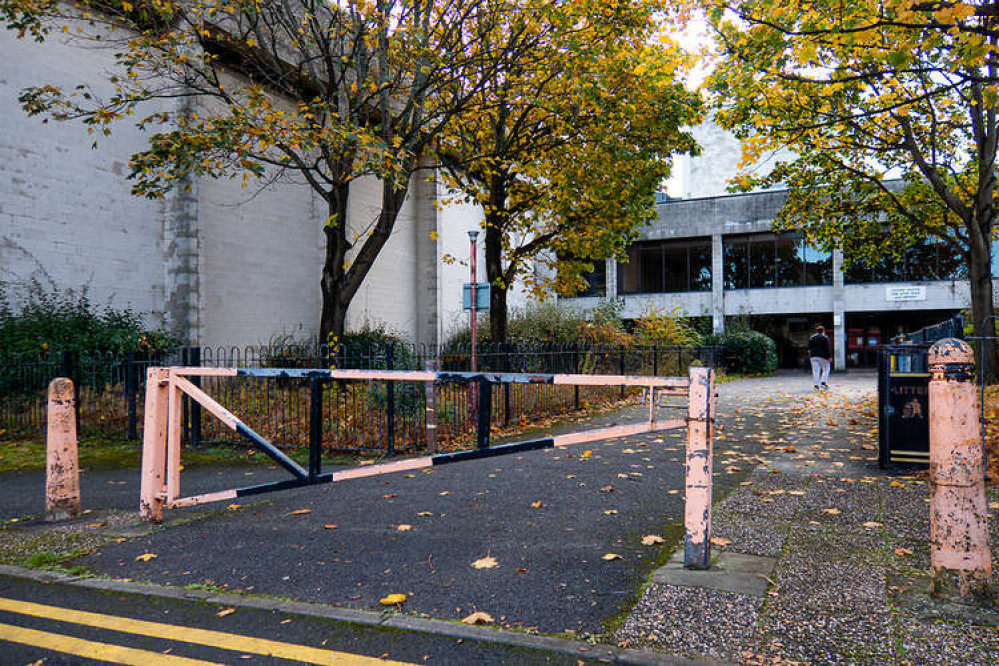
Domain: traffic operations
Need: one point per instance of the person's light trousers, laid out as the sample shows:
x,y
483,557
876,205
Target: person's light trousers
x,y
820,370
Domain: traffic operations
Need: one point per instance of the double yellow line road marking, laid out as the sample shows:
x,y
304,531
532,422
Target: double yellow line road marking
x,y
126,655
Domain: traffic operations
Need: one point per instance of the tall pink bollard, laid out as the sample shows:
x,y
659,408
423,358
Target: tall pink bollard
x,y
697,504
960,560
62,474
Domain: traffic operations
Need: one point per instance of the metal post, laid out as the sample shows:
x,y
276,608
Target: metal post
x,y
575,369
390,400
697,507
131,394
154,444
473,269
431,409
622,366
960,558
194,409
315,425
70,371
62,476
485,412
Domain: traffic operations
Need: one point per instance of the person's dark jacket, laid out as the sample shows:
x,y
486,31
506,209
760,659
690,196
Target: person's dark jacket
x,y
819,346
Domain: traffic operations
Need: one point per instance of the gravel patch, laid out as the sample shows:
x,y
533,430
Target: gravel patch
x,y
819,544
693,621
949,643
816,636
749,535
830,586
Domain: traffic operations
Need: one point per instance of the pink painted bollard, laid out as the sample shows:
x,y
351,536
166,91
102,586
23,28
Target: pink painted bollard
x,y
62,473
697,504
960,559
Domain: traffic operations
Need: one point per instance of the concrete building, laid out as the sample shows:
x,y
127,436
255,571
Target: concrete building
x,y
219,264
714,255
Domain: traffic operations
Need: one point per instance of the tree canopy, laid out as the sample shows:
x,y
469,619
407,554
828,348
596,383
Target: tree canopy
x,y
568,142
861,93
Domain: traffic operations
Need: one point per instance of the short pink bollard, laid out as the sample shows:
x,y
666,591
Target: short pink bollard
x,y
960,559
62,473
697,504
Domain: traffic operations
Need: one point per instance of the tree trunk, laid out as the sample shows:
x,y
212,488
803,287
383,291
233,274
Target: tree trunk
x,y
497,285
980,279
333,318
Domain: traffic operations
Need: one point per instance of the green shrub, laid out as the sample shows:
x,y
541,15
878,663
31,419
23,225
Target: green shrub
x,y
65,320
746,352
662,328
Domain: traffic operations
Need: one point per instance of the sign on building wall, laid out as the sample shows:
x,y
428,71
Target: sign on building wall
x,y
905,294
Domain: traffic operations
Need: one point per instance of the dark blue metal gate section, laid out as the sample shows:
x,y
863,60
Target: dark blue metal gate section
x,y
903,394
903,406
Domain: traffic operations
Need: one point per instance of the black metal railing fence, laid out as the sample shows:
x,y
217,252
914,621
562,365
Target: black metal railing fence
x,y
367,415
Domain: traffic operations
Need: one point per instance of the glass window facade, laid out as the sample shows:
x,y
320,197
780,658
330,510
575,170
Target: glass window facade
x,y
759,261
924,262
666,266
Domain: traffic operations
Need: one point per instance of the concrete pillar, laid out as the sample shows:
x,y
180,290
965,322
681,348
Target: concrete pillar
x,y
960,559
62,474
611,279
717,284
182,253
426,230
839,313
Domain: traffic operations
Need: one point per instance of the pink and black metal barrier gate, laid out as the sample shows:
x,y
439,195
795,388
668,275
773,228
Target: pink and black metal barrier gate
x,y
166,388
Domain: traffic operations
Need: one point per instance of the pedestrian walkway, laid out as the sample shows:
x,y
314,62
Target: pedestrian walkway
x,y
839,553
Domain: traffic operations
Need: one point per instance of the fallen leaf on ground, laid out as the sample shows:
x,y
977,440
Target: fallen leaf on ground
x,y
104,524
425,514
404,528
610,512
365,463
721,541
536,505
903,551
331,526
392,599
871,524
478,617
226,611
832,512
651,539
521,570
485,563
145,557
586,454
797,493
607,489
300,512
610,557
897,484
233,507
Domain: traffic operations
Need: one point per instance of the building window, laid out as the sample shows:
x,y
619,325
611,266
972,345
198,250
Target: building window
x,y
666,266
596,280
774,260
926,261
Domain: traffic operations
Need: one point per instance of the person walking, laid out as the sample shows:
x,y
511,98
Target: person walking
x,y
820,355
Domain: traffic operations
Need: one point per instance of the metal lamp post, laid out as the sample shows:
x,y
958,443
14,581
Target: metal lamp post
x,y
472,237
